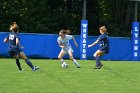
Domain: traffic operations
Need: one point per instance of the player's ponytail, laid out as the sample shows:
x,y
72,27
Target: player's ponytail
x,y
66,32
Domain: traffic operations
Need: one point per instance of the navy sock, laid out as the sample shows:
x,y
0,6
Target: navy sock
x,y
98,63
29,63
18,64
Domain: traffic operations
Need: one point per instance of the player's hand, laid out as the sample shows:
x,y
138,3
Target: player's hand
x,y
89,46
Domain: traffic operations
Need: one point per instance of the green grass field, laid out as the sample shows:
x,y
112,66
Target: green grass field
x,y
114,77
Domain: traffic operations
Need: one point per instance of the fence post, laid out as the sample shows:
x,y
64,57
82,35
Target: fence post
x,y
135,41
83,41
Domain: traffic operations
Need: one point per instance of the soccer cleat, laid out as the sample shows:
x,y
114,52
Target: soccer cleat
x,y
35,68
78,67
21,69
99,67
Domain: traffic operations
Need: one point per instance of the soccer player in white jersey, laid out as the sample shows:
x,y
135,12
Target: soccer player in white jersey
x,y
63,41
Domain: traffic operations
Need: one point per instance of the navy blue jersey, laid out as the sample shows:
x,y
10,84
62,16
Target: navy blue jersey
x,y
103,38
12,41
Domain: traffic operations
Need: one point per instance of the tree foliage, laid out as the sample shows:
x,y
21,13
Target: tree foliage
x,y
49,16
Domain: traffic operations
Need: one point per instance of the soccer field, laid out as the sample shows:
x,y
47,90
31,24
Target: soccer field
x,y
114,77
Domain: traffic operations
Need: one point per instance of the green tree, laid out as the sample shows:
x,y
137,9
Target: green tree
x,y
49,16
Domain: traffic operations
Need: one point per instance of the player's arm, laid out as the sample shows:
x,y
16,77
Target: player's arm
x,y
5,40
74,41
61,45
18,43
93,44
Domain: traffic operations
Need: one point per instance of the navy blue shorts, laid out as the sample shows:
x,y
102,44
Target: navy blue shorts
x,y
104,49
14,52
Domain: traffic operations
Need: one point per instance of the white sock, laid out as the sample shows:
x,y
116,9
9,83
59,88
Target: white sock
x,y
76,63
62,61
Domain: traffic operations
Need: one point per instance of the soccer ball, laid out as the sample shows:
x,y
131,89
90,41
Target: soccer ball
x,y
64,65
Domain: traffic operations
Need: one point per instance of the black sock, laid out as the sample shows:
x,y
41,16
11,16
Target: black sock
x,y
18,64
29,63
98,63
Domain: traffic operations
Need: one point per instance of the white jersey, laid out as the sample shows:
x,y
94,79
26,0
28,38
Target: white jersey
x,y
65,42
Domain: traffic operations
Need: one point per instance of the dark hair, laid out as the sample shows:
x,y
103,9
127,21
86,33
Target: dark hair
x,y
66,32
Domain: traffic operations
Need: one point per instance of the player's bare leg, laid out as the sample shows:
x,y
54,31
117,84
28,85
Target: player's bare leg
x,y
60,56
71,58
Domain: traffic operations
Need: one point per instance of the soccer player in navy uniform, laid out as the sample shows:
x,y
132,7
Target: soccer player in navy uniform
x,y
104,46
15,47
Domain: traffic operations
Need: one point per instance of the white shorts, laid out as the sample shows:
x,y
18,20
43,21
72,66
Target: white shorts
x,y
66,50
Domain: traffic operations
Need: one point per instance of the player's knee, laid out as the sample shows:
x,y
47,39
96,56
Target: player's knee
x,y
71,58
95,55
22,55
59,57
24,58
